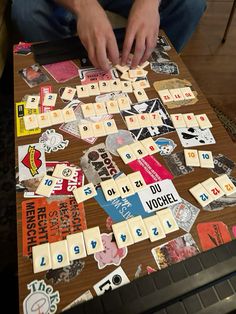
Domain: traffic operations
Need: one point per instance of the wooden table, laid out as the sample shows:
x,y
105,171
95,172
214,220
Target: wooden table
x,y
139,253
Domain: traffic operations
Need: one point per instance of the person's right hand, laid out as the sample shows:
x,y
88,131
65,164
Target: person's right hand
x,y
96,34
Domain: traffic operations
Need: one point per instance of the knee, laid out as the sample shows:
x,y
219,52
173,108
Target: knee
x,y
21,14
198,7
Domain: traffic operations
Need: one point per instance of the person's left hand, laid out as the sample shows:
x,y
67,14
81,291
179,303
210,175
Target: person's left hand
x,y
142,28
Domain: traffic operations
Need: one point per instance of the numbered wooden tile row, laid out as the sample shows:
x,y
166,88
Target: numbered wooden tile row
x,y
137,150
59,254
143,120
190,120
212,189
176,94
47,119
78,245
97,129
197,158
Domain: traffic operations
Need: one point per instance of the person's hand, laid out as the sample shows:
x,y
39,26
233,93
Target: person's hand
x,y
96,34
143,27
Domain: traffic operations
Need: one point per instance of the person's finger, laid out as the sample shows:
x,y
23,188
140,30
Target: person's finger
x,y
101,55
139,50
112,50
92,55
150,45
128,42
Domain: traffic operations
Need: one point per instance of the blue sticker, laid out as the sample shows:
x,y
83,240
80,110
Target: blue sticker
x,y
165,145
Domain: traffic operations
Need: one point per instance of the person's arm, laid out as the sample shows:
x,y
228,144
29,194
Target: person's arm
x,y
95,31
143,27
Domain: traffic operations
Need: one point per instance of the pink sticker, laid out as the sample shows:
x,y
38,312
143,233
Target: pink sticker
x,y
111,254
109,223
151,170
234,231
150,270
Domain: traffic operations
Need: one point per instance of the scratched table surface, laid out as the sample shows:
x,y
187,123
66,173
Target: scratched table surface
x,y
139,253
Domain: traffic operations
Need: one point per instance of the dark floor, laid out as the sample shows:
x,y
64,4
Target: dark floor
x,y
8,246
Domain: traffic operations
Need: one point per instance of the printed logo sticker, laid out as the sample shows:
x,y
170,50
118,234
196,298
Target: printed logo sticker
x,y
52,141
165,145
42,298
111,255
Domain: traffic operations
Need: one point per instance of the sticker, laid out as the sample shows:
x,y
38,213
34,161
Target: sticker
x,y
165,67
176,164
109,223
114,280
62,71
151,169
185,214
21,111
33,75
165,145
163,42
98,165
22,49
212,234
111,255
45,89
92,75
52,141
42,298
45,220
65,274
31,161
116,140
190,137
159,55
150,270
86,296
138,271
175,251
159,195
234,231
223,165
150,106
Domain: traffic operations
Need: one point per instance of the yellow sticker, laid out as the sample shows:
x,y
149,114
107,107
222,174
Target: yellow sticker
x,y
21,111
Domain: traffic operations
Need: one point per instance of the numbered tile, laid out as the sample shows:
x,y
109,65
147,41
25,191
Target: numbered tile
x,y
165,96
191,158
104,86
84,192
32,102
56,117
98,129
82,91
123,103
110,126
76,246
31,122
115,85
126,154
206,159
50,99
226,184
112,107
213,188
59,254
88,110
190,120
167,220
44,120
140,84
110,189
64,172
154,228
122,234
46,186
203,121
138,229
69,115
140,95
125,76
41,257
187,92
138,149
201,195
178,120
144,65
100,108
144,120
121,68
139,72
86,130
93,240
126,87
150,146
68,93
155,119
93,89
132,122
124,186
137,181
176,94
